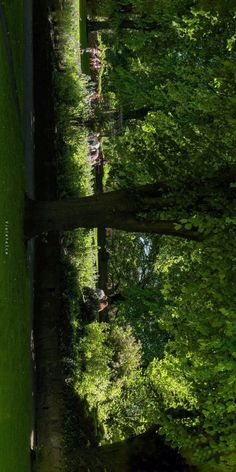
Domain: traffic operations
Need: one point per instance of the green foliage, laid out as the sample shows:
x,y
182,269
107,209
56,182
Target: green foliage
x,y
72,105
126,354
109,363
74,179
218,5
195,380
74,166
141,308
132,273
132,257
93,382
175,86
183,76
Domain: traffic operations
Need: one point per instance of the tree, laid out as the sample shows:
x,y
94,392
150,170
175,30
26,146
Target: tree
x,y
138,209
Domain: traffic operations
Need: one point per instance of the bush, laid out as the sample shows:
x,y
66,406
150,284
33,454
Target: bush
x,y
109,364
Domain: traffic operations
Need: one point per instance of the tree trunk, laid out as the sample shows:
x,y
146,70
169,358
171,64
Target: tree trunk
x,y
143,453
118,209
132,210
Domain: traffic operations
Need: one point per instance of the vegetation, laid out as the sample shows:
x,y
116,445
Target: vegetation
x,y
15,392
73,108
75,178
162,366
108,367
170,72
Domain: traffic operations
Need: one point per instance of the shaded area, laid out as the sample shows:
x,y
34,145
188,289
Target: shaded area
x,y
49,390
146,452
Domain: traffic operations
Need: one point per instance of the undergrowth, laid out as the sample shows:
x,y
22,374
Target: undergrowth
x,y
75,179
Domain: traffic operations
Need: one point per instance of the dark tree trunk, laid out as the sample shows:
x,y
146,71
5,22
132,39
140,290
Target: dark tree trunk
x,y
119,209
132,210
143,453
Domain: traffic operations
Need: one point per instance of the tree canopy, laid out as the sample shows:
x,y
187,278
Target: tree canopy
x,y
174,90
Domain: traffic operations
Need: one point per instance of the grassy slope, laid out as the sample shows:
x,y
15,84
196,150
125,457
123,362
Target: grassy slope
x,y
15,403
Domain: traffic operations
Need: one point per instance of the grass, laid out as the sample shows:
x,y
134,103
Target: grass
x,y
15,398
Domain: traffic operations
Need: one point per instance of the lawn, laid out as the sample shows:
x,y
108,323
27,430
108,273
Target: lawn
x,y
15,394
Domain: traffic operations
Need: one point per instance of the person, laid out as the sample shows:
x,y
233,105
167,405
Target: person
x,y
96,65
94,157
93,51
100,293
94,147
103,302
93,140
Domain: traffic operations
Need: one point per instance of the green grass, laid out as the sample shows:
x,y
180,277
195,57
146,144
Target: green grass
x,y
15,399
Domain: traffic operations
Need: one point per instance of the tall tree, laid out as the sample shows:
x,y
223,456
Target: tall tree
x,y
138,209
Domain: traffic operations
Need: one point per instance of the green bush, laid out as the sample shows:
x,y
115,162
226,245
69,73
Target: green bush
x,y
109,361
